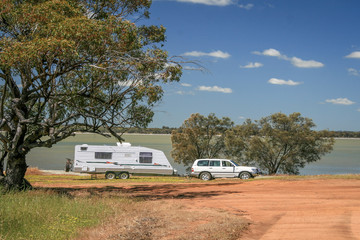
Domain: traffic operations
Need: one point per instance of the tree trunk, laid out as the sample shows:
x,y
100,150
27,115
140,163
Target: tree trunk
x,y
2,165
15,172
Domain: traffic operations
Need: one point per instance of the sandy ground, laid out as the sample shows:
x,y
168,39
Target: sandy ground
x,y
307,209
277,209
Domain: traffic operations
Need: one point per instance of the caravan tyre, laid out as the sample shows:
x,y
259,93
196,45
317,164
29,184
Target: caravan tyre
x,y
110,175
124,175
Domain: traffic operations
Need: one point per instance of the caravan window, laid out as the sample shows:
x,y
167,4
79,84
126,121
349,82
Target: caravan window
x,y
145,157
103,155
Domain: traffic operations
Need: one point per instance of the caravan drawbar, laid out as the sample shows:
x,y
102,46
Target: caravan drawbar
x,y
120,161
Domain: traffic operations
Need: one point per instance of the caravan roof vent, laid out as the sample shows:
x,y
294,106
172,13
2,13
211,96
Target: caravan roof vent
x,y
124,144
84,147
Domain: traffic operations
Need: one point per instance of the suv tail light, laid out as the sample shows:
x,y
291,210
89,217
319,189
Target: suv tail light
x,y
192,169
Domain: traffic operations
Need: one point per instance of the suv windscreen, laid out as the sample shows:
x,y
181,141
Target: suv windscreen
x,y
236,164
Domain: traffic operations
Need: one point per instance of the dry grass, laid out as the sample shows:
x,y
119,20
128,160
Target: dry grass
x,y
33,171
166,220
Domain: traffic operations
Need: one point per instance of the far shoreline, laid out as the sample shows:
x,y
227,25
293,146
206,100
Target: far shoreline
x,y
166,134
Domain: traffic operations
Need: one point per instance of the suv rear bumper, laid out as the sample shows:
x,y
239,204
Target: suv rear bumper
x,y
194,174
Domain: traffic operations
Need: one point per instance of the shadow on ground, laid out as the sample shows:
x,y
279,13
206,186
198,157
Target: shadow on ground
x,y
148,192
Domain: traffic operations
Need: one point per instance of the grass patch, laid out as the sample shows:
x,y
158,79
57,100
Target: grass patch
x,y
43,215
100,179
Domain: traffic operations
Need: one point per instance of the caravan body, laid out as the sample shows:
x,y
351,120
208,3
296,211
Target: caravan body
x,y
122,158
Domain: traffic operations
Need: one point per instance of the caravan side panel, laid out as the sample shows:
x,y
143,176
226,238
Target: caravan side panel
x,y
135,160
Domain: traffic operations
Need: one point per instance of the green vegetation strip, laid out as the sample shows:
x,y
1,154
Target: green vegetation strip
x,y
86,179
42,215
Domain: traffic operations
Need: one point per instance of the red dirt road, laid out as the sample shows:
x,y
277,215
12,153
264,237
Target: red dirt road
x,y
305,209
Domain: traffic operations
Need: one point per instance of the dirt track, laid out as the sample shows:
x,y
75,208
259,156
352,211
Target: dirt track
x,y
277,209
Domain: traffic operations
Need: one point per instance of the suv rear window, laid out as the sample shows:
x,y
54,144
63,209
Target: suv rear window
x,y
203,163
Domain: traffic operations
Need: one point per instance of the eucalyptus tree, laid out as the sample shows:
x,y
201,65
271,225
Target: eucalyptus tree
x,y
279,143
199,137
71,66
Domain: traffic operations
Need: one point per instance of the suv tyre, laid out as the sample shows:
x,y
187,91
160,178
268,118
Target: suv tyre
x,y
206,176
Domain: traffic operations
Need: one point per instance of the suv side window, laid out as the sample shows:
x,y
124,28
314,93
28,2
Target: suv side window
x,y
227,164
203,163
215,163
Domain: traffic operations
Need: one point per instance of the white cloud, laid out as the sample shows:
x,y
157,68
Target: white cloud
x,y
185,93
220,3
246,6
214,89
297,62
219,54
210,2
252,65
353,71
340,101
355,54
277,81
190,68
216,54
185,84
271,52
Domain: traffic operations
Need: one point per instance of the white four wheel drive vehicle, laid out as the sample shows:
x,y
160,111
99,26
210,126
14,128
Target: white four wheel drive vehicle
x,y
206,169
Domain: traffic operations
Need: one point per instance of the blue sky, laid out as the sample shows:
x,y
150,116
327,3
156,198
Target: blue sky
x,y
263,57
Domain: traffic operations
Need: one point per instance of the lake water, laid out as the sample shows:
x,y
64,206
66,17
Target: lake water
x,y
344,159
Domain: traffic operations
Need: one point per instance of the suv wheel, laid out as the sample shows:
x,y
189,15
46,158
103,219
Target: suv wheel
x,y
205,176
245,175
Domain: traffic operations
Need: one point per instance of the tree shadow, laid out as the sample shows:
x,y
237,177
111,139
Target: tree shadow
x,y
146,192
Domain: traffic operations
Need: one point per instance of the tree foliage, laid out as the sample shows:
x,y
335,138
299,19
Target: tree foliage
x,y
75,66
199,137
279,143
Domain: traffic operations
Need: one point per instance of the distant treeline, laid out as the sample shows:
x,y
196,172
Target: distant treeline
x,y
163,130
345,134
168,130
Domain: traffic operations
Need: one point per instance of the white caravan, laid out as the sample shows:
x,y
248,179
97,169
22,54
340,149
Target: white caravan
x,y
120,161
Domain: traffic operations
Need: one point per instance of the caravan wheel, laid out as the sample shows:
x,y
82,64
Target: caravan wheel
x,y
110,175
124,175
